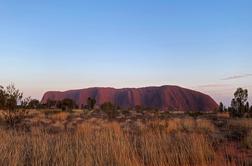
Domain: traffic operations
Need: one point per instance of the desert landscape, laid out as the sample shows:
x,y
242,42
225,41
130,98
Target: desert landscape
x,y
125,83
42,133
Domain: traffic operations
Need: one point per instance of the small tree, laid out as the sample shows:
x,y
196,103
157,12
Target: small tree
x,y
249,111
59,104
221,107
10,99
238,107
67,104
247,107
91,103
51,103
34,104
241,96
2,98
13,96
25,102
109,109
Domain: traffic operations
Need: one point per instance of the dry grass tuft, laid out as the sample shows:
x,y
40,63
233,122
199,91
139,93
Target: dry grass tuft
x,y
248,140
242,123
205,126
61,116
223,115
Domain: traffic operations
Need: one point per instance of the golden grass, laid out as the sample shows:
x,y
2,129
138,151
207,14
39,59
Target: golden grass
x,y
96,142
61,116
243,123
160,148
186,125
205,125
223,115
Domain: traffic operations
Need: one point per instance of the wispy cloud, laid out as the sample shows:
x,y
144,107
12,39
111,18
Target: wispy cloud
x,y
237,77
213,86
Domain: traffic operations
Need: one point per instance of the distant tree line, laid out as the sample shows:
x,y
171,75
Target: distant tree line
x,y
15,106
68,104
239,104
11,100
65,104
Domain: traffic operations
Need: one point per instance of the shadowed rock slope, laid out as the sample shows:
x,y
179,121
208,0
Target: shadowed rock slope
x,y
164,97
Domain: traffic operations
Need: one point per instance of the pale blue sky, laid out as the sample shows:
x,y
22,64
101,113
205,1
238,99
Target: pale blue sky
x,y
60,45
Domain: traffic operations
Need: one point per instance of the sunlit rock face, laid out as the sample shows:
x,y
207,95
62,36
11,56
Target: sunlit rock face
x,y
164,97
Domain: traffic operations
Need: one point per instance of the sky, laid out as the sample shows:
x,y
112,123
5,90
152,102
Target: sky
x,y
61,45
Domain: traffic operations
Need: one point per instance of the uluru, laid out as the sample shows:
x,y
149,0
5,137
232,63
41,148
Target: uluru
x,y
164,97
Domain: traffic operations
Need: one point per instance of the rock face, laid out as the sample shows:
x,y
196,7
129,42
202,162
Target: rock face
x,y
164,97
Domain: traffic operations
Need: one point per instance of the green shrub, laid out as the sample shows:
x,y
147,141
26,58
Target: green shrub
x,y
10,97
67,105
12,119
109,109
